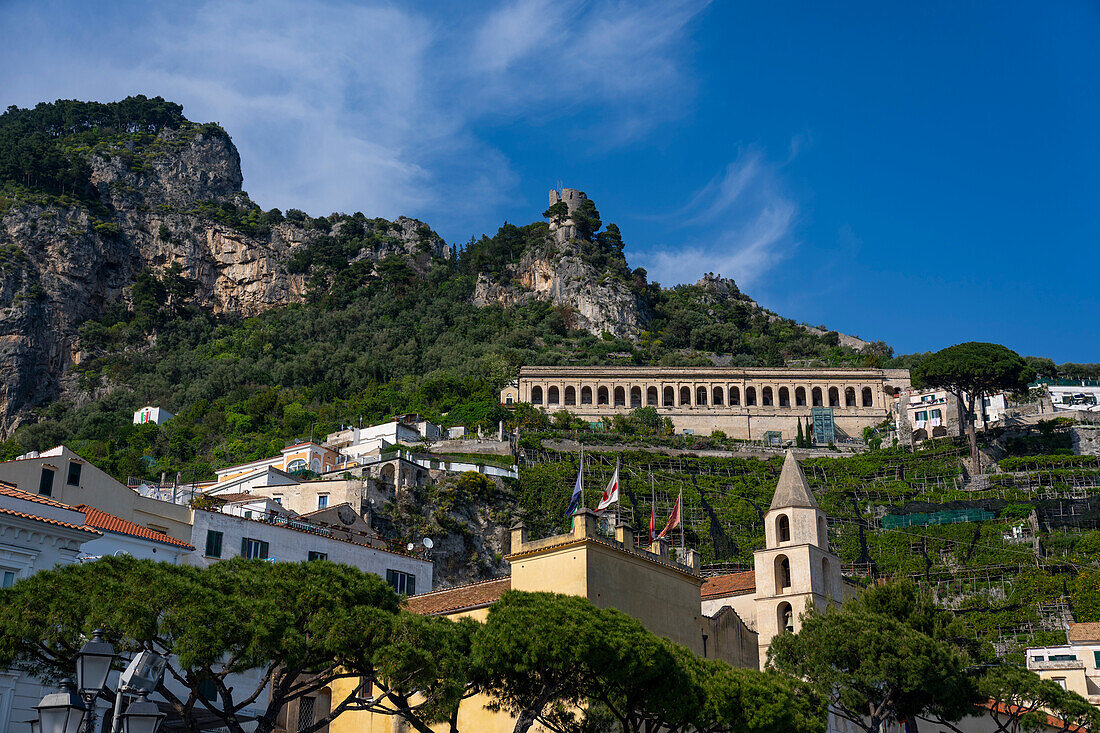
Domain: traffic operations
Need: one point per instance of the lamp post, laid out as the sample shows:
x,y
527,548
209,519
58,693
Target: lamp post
x,y
72,710
61,711
93,664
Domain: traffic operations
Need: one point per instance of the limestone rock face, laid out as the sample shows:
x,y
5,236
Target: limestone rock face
x,y
61,265
595,304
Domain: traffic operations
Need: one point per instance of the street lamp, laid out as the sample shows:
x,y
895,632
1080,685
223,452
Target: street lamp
x,y
70,711
141,716
93,664
61,711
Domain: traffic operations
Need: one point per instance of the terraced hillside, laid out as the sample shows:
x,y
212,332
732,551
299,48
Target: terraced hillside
x,y
1015,552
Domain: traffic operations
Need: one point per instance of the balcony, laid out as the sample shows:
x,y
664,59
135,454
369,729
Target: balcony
x,y
1035,666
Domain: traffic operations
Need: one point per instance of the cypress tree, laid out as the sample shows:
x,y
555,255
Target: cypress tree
x,y
800,441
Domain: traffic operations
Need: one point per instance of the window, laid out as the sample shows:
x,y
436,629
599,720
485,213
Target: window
x,y
1095,659
921,415
45,483
313,555
277,499
253,549
508,400
937,414
74,474
1038,658
8,579
208,690
322,501
404,583
783,528
1063,657
298,464
1060,681
305,713
213,543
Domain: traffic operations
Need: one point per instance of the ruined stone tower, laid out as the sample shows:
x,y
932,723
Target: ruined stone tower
x,y
567,229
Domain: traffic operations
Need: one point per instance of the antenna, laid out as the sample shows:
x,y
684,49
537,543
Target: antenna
x,y
428,543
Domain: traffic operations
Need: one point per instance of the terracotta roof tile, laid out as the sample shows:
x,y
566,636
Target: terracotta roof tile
x,y
1083,632
7,489
47,520
732,584
109,522
459,598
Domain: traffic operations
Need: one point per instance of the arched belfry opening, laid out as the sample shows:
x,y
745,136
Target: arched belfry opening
x,y
782,528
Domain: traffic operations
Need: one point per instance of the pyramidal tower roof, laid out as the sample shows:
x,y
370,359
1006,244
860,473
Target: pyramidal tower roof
x,y
792,490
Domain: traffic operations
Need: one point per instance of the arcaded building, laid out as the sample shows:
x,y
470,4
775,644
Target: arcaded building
x,y
746,403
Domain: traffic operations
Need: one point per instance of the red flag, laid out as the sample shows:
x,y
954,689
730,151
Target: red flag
x,y
652,523
674,518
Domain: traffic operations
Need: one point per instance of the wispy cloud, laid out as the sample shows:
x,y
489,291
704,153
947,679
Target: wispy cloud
x,y
740,225
369,106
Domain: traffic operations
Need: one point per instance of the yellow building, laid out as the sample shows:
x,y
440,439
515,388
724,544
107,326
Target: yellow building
x,y
731,617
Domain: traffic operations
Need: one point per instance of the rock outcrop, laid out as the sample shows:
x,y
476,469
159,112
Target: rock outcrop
x,y
63,263
593,303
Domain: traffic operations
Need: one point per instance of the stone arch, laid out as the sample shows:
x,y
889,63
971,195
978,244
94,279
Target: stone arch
x,y
601,396
735,396
670,397
816,395
920,434
782,574
800,396
388,475
784,618
784,397
782,528
570,395
939,431
586,395
750,396
685,396
766,397
620,397
868,398
553,396
834,397
701,395
850,397
635,396
716,396
536,395
651,396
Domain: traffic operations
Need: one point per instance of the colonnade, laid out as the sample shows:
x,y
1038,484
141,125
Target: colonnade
x,y
599,394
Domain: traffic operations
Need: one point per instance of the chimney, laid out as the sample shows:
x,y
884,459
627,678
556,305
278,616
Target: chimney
x,y
624,533
519,536
584,523
659,547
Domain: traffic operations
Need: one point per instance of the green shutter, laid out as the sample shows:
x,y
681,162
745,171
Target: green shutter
x,y
244,547
1096,659
263,550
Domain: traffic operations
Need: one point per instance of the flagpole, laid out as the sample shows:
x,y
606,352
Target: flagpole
x,y
583,505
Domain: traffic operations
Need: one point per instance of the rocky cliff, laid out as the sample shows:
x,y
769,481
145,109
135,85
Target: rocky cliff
x,y
176,198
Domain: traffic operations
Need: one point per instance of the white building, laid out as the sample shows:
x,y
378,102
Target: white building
x,y
282,538
1079,395
935,413
122,537
407,429
155,415
36,533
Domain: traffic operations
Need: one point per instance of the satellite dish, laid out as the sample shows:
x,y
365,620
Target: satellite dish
x,y
428,543
410,546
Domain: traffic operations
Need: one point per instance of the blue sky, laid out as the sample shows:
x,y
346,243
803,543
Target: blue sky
x,y
922,174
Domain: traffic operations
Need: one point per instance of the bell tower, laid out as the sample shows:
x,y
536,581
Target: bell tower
x,y
795,569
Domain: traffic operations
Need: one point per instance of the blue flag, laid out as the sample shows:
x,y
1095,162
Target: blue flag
x,y
578,490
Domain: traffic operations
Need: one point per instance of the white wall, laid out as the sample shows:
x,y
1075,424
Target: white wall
x,y
291,545
112,543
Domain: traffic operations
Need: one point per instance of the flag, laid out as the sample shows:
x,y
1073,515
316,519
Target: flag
x,y
652,524
611,493
578,490
674,518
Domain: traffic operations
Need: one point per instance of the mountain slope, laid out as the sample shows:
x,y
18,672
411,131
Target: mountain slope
x,y
133,270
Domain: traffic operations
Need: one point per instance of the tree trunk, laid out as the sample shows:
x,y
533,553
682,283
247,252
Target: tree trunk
x,y
524,722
